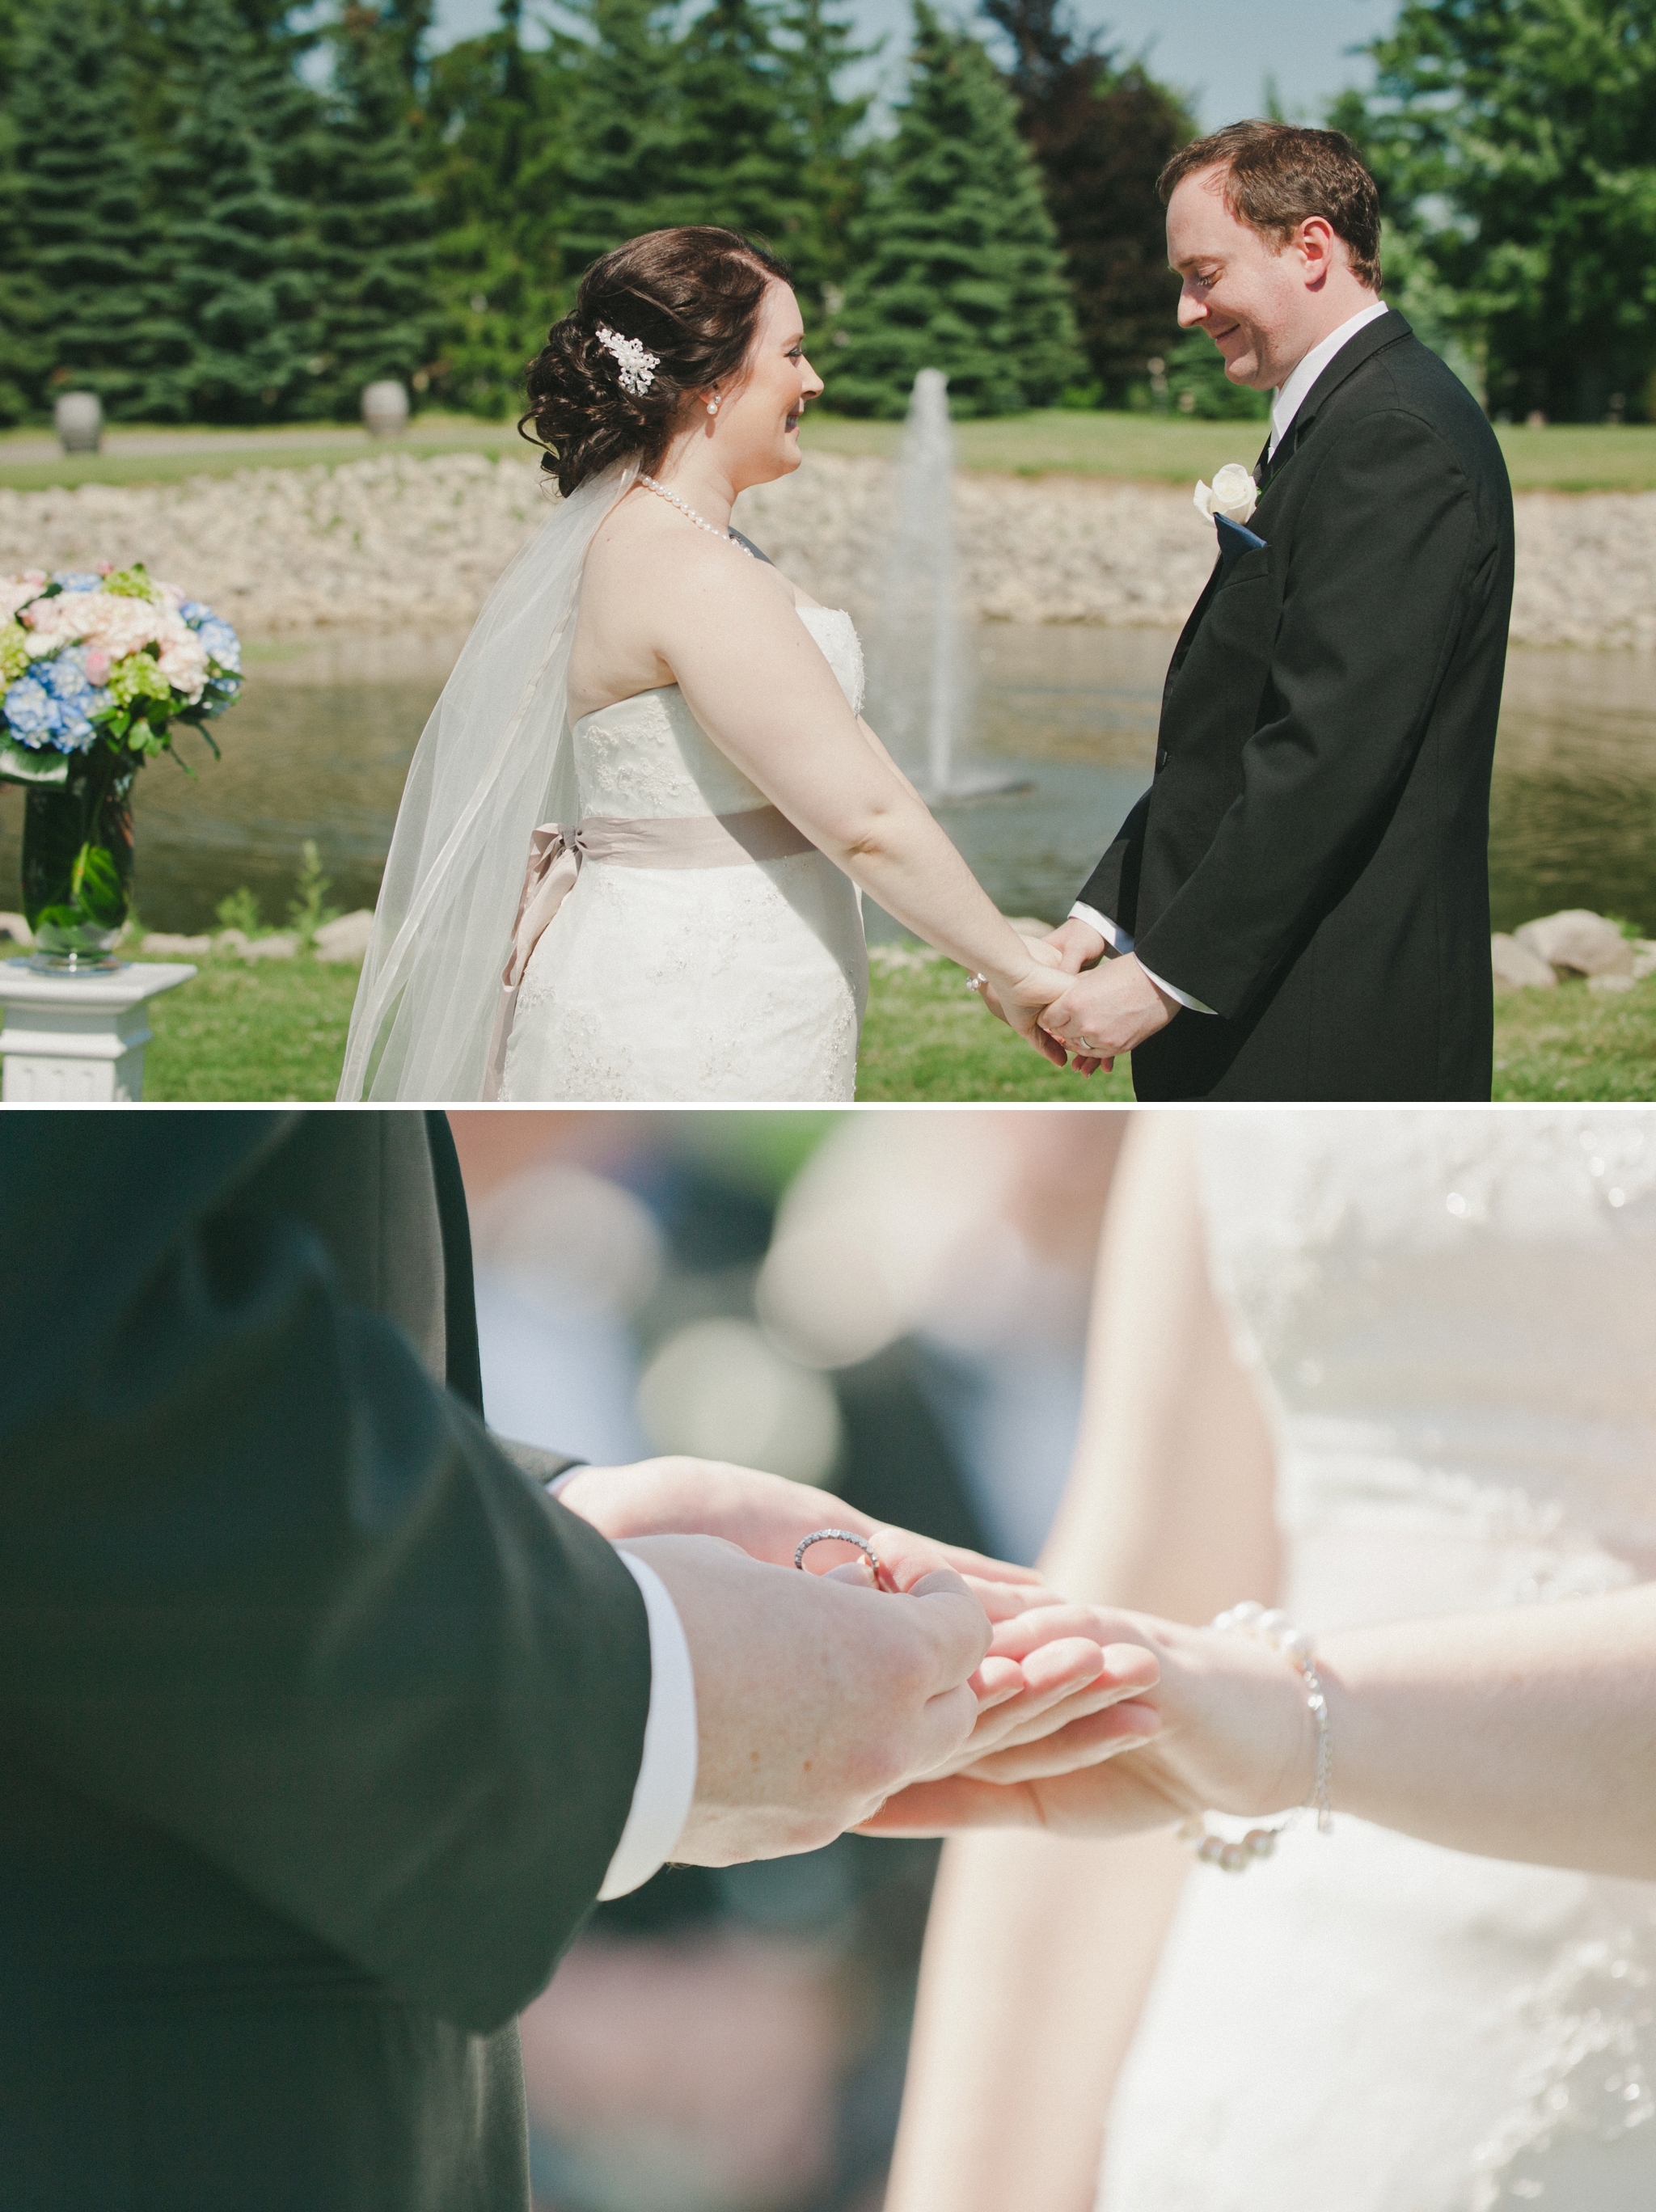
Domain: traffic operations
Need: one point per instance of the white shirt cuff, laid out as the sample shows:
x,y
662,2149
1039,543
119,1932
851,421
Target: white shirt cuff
x,y
665,1783
1115,936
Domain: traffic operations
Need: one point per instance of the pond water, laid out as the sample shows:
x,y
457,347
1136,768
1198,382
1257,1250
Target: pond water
x,y
319,745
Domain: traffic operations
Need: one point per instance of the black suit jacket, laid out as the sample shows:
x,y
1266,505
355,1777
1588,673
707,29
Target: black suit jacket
x,y
319,1720
1311,860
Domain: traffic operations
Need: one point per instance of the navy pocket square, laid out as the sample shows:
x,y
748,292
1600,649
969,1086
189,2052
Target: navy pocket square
x,y
1234,542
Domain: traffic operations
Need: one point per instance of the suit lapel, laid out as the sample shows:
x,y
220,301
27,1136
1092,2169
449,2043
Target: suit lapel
x,y
464,1372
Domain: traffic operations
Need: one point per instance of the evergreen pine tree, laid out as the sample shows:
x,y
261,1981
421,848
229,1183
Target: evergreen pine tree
x,y
738,158
81,306
624,127
238,294
495,159
818,46
376,304
1102,132
957,264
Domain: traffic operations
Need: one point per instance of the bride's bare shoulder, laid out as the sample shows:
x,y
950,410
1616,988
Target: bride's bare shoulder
x,y
658,561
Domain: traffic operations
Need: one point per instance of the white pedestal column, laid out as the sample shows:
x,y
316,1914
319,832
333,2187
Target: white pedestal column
x,y
72,1039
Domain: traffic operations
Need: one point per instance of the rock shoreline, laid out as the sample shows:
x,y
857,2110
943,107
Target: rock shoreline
x,y
398,541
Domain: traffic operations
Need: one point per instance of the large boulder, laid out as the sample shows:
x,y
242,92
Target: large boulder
x,y
1578,943
1517,968
347,938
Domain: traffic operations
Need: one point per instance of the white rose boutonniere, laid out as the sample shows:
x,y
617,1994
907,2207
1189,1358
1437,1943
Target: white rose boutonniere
x,y
1234,493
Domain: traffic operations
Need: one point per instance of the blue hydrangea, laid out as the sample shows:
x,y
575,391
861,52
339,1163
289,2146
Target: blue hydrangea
x,y
78,698
32,715
72,580
194,613
65,676
222,644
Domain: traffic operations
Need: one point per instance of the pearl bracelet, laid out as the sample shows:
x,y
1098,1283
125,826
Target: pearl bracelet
x,y
1235,1856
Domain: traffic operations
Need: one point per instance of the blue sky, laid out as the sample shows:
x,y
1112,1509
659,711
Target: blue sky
x,y
1221,51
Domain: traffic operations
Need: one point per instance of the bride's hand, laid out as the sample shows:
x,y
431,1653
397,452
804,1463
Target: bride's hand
x,y
1226,1728
1018,1001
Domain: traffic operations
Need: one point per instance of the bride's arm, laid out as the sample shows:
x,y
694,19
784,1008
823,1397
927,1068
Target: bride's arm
x,y
757,682
1039,1950
1529,1733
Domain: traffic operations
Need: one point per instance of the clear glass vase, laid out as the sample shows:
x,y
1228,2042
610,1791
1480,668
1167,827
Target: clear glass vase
x,y
77,861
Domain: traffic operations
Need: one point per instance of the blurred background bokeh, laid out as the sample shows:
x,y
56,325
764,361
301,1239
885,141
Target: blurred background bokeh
x,y
892,1305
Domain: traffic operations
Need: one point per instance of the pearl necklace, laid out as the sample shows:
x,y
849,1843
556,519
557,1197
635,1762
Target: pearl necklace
x,y
700,521
1274,1628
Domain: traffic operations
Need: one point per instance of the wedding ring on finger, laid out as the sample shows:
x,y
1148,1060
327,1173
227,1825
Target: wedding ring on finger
x,y
839,1536
1085,1042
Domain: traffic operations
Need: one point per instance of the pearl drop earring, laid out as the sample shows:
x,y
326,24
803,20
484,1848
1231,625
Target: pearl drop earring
x,y
712,406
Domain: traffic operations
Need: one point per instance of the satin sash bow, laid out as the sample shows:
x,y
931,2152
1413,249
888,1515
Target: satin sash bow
x,y
556,853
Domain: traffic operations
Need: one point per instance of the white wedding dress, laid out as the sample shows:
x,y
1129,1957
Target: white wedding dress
x,y
727,984
1454,1315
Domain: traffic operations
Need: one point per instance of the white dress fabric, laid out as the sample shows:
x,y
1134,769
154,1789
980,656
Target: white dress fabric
x,y
726,984
1454,1316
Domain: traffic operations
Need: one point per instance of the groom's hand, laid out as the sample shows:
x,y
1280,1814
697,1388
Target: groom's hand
x,y
816,1699
1111,1009
1079,945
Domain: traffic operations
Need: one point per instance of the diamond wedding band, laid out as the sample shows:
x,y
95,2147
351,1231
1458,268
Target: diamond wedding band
x,y
838,1536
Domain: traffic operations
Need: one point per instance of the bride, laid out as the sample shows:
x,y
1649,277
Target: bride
x,y
1397,1368
628,856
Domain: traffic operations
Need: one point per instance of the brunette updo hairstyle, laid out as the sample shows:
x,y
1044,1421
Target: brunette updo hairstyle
x,y
691,296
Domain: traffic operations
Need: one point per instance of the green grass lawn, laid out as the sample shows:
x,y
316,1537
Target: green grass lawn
x,y
276,1031
1054,442
1576,1043
252,1030
1148,448
203,453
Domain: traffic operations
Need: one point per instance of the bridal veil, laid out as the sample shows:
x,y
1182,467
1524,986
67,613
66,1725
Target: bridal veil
x,y
493,764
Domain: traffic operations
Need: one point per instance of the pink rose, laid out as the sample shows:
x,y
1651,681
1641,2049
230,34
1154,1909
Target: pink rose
x,y
104,568
97,667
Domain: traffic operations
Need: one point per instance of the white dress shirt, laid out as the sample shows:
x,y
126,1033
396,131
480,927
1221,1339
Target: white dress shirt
x,y
1290,395
665,1785
1286,402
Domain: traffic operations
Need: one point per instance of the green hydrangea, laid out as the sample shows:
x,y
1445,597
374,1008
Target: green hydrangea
x,y
14,651
138,676
132,583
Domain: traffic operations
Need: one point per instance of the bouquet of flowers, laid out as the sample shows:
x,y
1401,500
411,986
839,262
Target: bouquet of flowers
x,y
107,660
95,670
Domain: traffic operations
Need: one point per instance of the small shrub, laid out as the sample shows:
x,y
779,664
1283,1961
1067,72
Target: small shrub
x,y
306,913
241,911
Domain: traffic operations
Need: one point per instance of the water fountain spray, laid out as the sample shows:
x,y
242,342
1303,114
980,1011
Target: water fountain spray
x,y
922,662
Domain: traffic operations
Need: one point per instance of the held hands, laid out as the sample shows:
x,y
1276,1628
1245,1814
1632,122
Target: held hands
x,y
1111,1007
825,1689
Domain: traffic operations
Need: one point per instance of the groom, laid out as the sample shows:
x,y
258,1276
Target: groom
x,y
1297,907
322,1725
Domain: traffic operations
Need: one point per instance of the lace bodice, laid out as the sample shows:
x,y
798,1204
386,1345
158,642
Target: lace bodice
x,y
1455,1313
648,756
